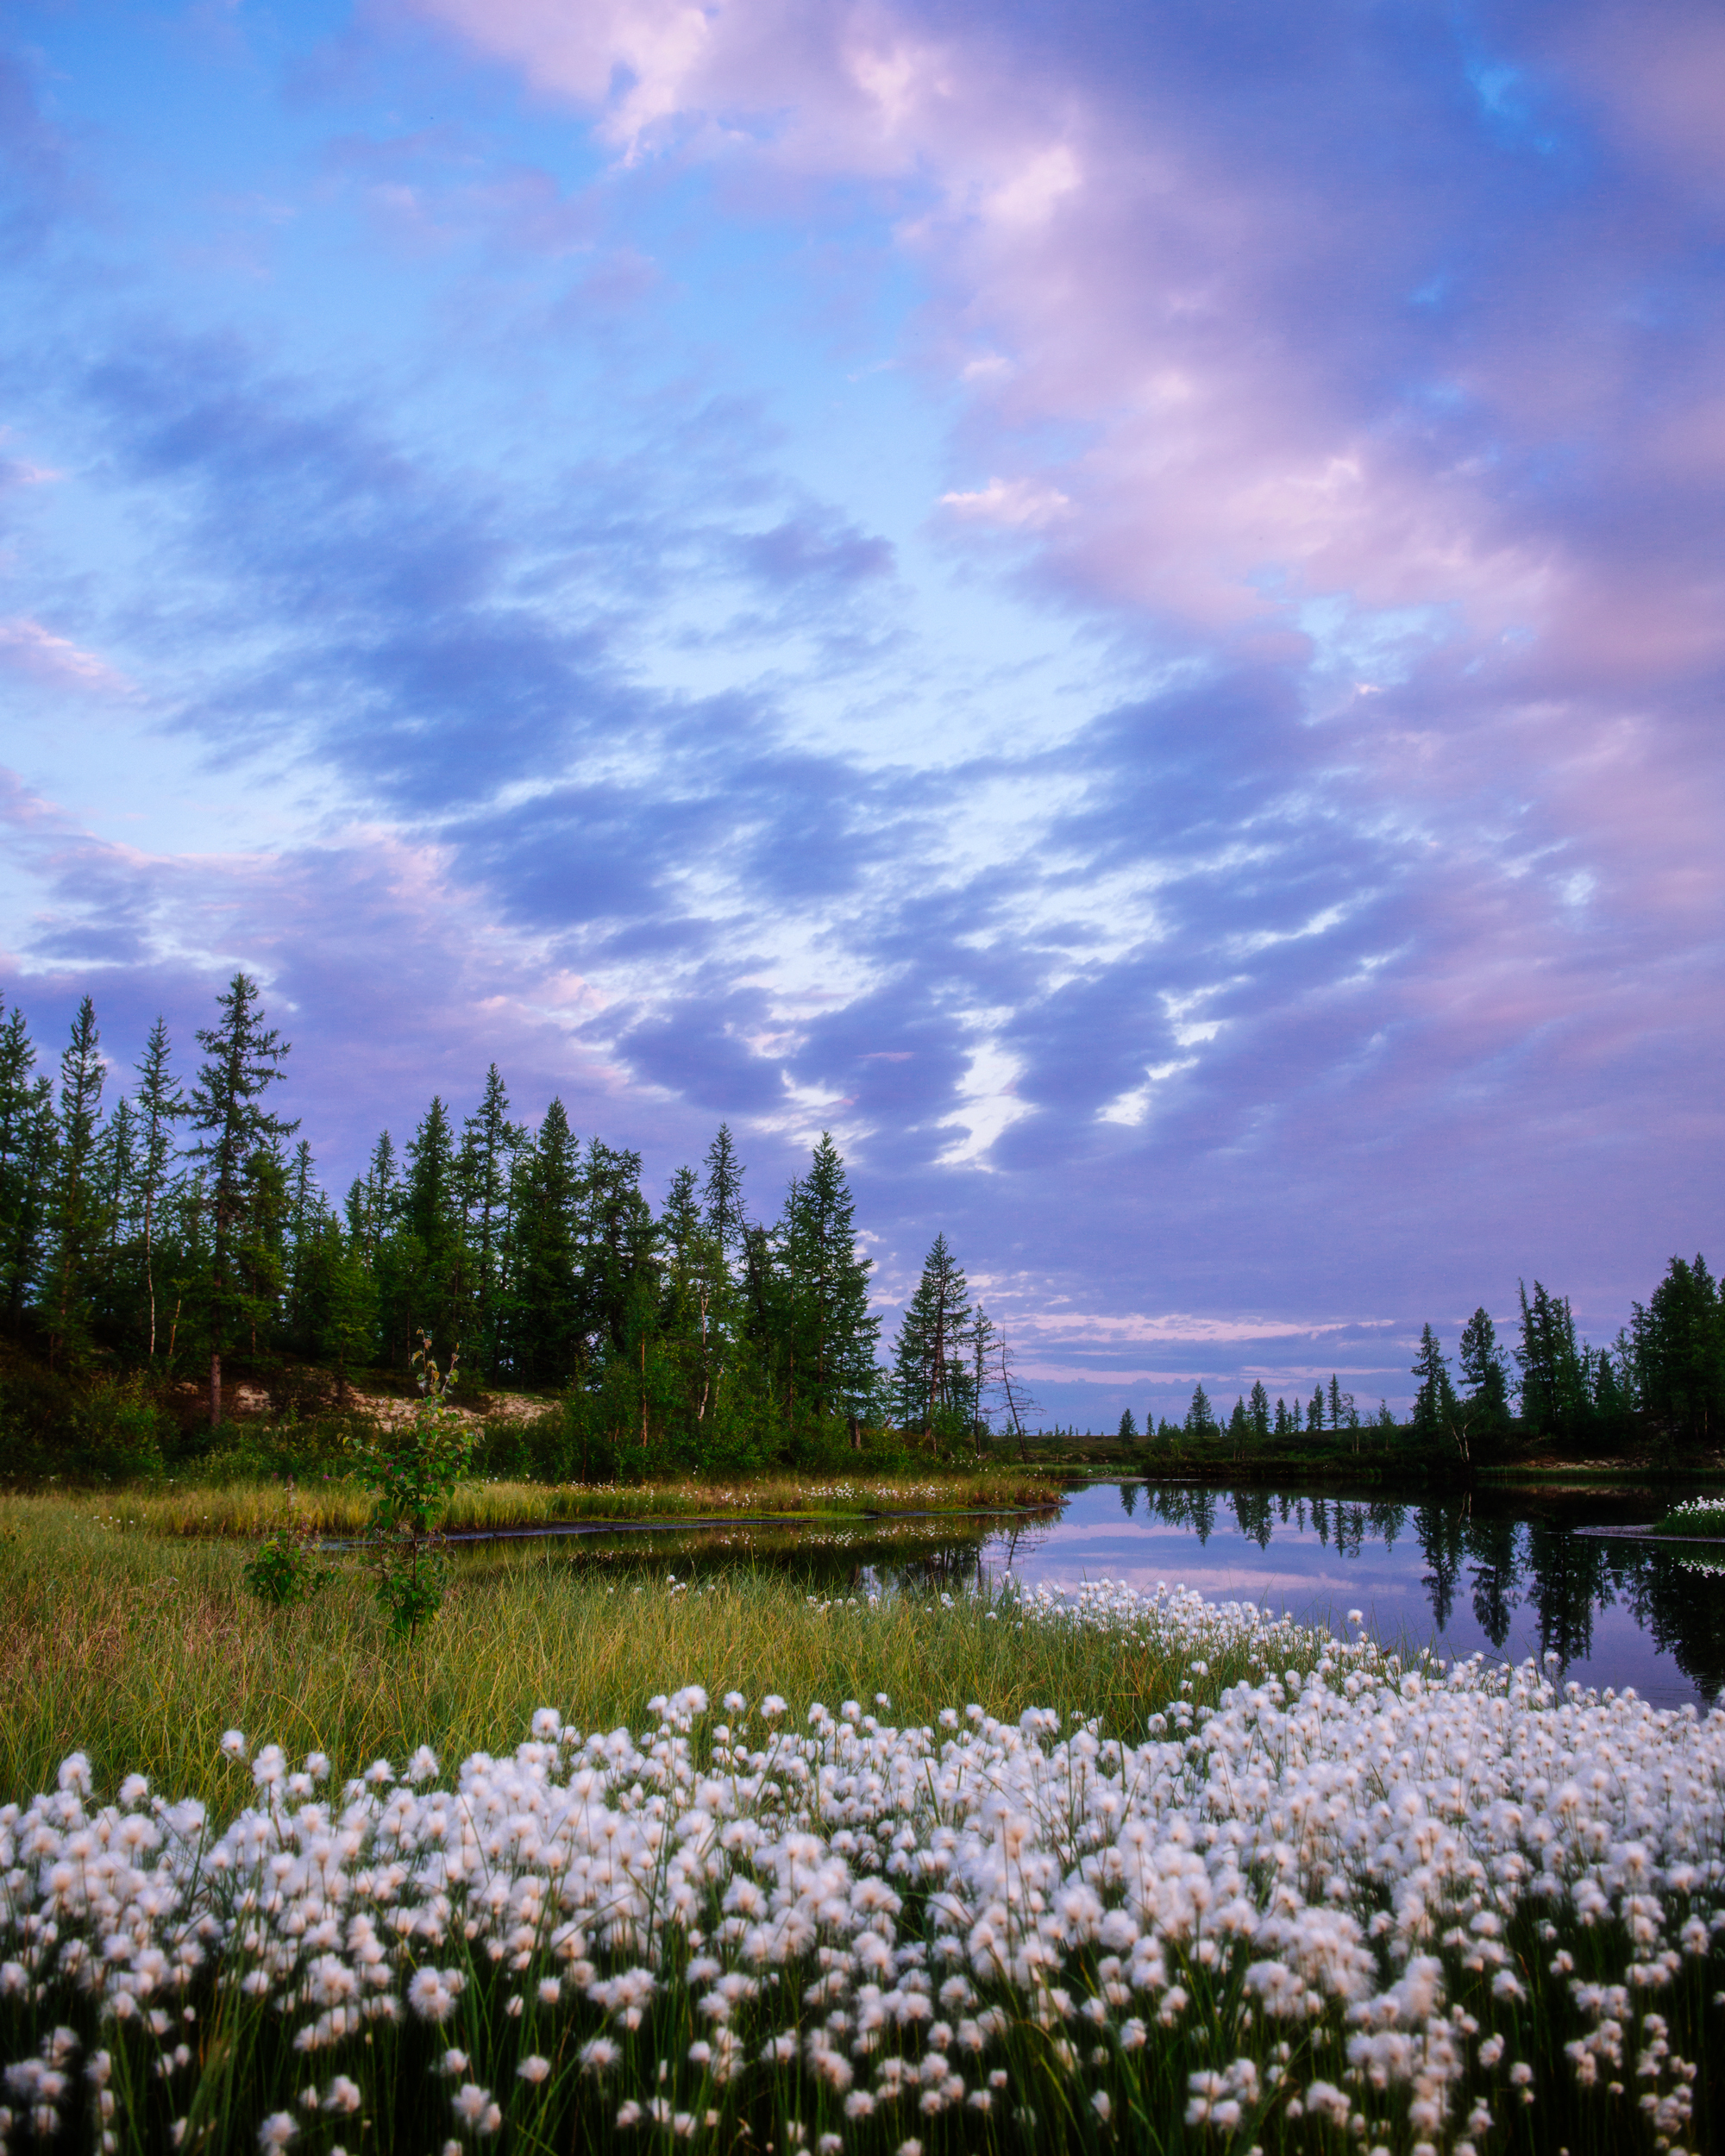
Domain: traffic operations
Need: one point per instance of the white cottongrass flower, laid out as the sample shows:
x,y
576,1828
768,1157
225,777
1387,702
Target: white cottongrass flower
x,y
432,1993
533,2068
1360,1847
277,2130
233,1745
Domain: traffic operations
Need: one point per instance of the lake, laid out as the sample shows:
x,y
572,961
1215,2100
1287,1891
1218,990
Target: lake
x,y
1502,1573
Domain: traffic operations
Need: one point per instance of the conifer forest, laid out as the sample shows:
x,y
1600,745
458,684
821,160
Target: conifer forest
x,y
180,1232
176,1235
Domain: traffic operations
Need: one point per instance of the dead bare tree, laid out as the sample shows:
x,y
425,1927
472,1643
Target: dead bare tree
x,y
1018,1398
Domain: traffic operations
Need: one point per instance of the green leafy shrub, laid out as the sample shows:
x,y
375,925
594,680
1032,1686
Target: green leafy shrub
x,y
413,1470
286,1570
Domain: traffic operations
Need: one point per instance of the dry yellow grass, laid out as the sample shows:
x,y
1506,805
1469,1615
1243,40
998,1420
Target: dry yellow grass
x,y
336,1506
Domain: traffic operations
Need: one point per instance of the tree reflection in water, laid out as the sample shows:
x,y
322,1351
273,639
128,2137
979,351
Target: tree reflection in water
x,y
1495,1574
1512,1554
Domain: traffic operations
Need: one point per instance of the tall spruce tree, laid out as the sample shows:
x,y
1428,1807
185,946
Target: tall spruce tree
x,y
722,1194
27,1154
1556,1400
546,1339
831,1328
79,1225
489,1143
243,1058
160,1105
1679,1352
1436,1416
980,1341
1483,1368
432,1268
931,1383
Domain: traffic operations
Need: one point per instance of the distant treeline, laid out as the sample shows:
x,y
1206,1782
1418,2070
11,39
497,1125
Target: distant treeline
x,y
1661,1380
185,1230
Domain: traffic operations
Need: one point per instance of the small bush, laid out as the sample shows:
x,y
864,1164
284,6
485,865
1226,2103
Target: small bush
x,y
286,1570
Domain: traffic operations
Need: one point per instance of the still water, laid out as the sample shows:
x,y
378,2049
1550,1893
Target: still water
x,y
1507,1574
1500,1573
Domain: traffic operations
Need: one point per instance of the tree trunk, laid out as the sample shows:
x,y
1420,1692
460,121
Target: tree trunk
x,y
215,1388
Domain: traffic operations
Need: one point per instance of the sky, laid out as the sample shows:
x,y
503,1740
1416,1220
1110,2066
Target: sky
x,y
1122,604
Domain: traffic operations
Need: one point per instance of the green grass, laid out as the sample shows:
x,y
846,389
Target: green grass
x,y
141,1649
1703,1518
337,1505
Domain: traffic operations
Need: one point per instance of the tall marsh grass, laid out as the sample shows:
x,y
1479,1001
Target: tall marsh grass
x,y
141,1649
337,1505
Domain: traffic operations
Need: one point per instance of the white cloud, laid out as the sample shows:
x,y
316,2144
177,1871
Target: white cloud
x,y
1020,504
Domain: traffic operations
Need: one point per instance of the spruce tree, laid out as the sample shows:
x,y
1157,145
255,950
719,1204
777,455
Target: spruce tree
x,y
431,1268
701,1309
930,1381
1434,1404
305,1214
117,1183
830,1321
1257,1411
547,1343
160,1105
78,1214
1555,1395
343,1301
243,1058
1483,1371
1201,1417
980,1342
489,1142
1679,1351
722,1194
26,1155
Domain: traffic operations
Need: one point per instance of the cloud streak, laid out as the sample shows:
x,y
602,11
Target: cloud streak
x,y
1126,613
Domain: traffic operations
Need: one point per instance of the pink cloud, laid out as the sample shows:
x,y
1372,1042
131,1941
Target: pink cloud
x,y
1128,263
28,648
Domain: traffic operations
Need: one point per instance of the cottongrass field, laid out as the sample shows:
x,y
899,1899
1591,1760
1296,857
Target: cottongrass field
x,y
1109,1872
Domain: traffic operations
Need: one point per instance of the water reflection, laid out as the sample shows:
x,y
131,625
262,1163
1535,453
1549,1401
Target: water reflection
x,y
929,1555
1503,1572
1499,1572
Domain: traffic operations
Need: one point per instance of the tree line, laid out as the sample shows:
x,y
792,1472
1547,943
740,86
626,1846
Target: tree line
x,y
1662,1378
185,1229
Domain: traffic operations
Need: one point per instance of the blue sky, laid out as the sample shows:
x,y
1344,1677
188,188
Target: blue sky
x,y
1120,606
